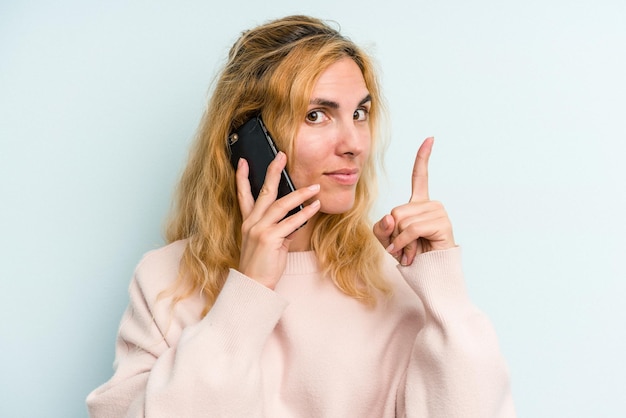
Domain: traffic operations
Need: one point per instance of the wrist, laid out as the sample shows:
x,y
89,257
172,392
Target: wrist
x,y
441,245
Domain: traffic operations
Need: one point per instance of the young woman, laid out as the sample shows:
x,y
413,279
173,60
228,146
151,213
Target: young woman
x,y
249,313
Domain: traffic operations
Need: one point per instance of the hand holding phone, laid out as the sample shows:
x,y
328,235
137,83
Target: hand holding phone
x,y
253,143
267,232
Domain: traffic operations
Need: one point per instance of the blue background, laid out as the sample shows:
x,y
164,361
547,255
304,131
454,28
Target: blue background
x,y
527,100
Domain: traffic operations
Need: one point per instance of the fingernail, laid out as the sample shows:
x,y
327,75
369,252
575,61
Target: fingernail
x,y
390,248
280,155
314,187
239,162
315,204
405,260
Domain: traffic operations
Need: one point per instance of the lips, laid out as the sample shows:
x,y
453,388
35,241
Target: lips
x,y
344,176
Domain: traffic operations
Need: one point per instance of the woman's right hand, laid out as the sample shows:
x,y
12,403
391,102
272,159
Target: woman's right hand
x,y
265,230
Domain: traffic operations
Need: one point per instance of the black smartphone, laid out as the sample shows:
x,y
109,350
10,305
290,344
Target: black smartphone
x,y
253,142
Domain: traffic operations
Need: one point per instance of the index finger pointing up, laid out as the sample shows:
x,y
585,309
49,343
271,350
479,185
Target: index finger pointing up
x,y
419,181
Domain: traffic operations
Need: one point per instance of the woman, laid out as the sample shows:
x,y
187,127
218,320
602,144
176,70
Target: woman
x,y
250,313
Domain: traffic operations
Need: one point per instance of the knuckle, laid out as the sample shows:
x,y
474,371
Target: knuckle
x,y
246,226
280,205
404,224
264,237
289,202
396,212
436,204
411,246
255,232
265,190
414,230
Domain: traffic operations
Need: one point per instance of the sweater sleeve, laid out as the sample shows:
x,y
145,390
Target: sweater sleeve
x,y
213,369
456,368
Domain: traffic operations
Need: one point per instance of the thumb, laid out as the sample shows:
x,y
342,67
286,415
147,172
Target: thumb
x,y
383,229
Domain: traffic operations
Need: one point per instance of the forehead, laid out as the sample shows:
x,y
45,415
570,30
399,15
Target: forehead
x,y
342,79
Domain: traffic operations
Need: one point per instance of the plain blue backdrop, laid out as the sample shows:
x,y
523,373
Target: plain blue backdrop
x,y
527,100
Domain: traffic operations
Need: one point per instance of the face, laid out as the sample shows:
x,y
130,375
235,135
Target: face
x,y
333,141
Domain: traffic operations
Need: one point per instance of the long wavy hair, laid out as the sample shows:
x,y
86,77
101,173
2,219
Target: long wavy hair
x,y
272,70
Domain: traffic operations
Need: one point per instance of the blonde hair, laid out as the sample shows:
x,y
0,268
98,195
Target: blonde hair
x,y
272,70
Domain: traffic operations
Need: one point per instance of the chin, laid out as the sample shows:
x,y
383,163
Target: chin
x,y
336,207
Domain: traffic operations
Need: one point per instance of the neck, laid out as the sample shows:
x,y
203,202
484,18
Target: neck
x,y
301,239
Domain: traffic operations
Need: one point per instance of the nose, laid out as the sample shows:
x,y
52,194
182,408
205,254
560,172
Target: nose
x,y
352,138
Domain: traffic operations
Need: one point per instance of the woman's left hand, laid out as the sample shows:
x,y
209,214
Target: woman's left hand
x,y
422,224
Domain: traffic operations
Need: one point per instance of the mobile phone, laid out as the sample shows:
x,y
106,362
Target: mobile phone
x,y
254,143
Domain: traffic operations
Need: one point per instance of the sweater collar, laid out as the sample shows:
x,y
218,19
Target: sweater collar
x,y
301,262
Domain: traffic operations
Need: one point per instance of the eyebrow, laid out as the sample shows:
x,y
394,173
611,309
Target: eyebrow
x,y
334,105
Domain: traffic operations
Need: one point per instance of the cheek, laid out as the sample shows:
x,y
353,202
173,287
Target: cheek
x,y
308,157
367,142
367,148
303,170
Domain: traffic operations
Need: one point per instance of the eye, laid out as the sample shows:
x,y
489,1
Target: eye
x,y
316,116
361,114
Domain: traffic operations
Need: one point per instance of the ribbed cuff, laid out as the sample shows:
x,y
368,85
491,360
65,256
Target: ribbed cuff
x,y
437,278
245,313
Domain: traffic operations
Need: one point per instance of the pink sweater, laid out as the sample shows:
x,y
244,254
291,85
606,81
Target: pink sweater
x,y
306,349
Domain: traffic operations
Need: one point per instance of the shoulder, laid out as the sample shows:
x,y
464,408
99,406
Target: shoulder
x,y
156,274
154,286
159,267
